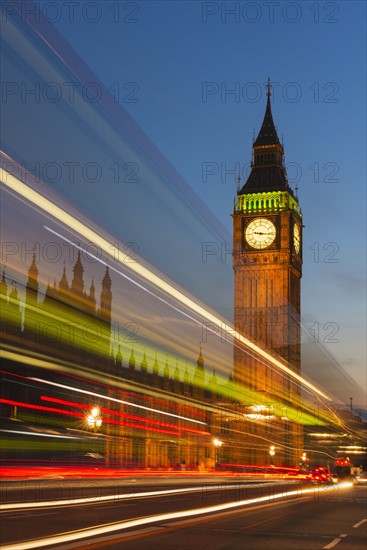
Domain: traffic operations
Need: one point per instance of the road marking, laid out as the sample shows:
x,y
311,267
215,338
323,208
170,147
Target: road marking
x,y
332,543
360,523
335,541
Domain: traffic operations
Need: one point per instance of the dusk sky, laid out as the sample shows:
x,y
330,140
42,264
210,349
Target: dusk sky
x,y
192,75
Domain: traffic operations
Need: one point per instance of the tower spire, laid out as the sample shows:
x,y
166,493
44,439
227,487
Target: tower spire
x,y
268,134
77,284
3,284
106,297
31,298
32,282
268,85
267,168
64,284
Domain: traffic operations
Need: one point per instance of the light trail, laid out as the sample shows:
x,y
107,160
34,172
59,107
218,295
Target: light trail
x,y
306,418
119,526
111,250
40,434
82,416
106,398
42,364
123,415
108,498
228,329
122,274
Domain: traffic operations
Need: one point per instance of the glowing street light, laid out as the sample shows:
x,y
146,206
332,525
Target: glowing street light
x,y
272,453
94,419
304,461
217,444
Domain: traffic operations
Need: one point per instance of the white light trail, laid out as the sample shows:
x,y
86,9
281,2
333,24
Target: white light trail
x,y
107,498
122,274
111,250
41,434
118,526
101,396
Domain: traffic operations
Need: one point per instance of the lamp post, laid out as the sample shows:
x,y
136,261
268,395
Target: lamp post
x,y
217,444
272,453
94,419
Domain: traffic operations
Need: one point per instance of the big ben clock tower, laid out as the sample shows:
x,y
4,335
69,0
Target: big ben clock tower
x,y
267,264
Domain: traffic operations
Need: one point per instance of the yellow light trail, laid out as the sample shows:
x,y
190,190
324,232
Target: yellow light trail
x,y
111,250
113,527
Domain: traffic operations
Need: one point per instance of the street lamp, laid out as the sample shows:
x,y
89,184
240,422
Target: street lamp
x,y
304,461
217,444
272,453
94,419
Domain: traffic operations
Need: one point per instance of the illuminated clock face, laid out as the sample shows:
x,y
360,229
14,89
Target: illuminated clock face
x,y
296,238
260,233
